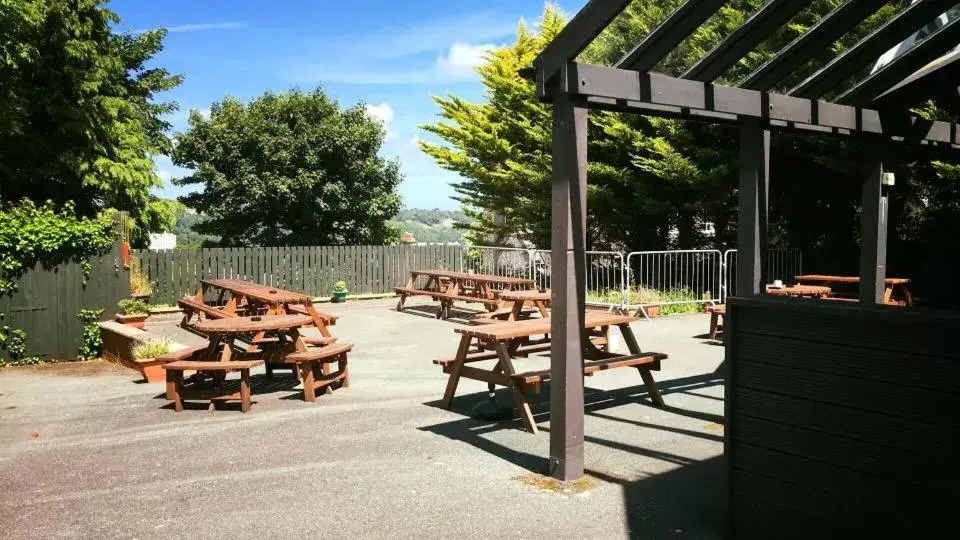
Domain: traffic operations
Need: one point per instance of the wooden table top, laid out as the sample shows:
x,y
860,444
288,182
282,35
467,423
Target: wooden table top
x,y
248,325
799,290
532,327
516,296
258,292
462,276
822,278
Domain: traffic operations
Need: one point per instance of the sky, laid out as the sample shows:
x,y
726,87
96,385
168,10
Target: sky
x,y
392,56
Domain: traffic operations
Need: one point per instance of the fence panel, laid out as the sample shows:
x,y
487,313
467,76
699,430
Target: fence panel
x,y
781,263
673,278
498,261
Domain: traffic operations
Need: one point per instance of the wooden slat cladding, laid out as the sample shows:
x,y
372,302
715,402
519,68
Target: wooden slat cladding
x,y
841,419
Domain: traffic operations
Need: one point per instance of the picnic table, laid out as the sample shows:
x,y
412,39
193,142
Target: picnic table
x,y
897,289
507,341
265,300
513,306
289,350
799,291
449,287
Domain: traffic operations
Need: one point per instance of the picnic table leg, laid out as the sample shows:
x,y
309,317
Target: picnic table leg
x,y
174,386
888,294
714,320
344,369
454,379
645,374
518,398
907,297
244,390
317,319
306,372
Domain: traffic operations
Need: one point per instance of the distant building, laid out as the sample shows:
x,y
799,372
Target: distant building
x,y
163,241
408,238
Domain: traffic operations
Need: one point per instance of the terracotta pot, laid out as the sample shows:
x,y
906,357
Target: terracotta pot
x,y
652,310
136,320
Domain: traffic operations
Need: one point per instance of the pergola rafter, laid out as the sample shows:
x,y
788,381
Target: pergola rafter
x,y
870,110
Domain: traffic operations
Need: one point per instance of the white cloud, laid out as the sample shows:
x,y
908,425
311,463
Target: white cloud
x,y
462,59
199,27
204,112
382,112
165,175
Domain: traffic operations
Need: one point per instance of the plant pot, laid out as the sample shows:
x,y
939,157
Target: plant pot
x,y
652,310
339,297
136,320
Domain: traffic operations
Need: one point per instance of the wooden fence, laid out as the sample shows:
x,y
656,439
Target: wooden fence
x,y
838,419
47,301
313,270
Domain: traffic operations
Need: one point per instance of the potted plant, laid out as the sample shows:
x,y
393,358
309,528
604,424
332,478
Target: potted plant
x,y
650,302
145,358
339,292
133,312
139,283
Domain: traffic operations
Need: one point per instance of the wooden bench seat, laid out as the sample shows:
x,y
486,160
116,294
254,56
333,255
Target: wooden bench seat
x,y
406,291
328,318
321,341
716,311
315,371
177,393
648,360
191,306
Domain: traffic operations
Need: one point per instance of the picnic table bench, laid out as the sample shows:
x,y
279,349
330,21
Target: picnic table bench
x,y
896,293
511,340
513,306
449,287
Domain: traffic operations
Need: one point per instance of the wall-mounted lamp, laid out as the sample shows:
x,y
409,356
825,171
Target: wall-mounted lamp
x,y
888,179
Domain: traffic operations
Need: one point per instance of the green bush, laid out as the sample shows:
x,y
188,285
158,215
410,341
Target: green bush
x,y
91,340
133,306
13,341
340,287
151,349
644,296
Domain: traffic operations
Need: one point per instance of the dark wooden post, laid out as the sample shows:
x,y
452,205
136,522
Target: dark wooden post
x,y
873,243
568,266
752,222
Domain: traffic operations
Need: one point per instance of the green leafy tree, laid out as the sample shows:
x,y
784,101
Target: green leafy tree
x,y
78,120
289,169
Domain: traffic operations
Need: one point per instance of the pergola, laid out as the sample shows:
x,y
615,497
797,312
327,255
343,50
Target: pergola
x,y
875,108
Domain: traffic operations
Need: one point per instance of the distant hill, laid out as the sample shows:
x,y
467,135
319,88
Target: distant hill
x,y
432,225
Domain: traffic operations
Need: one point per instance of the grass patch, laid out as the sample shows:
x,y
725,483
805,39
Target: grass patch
x,y
646,296
151,349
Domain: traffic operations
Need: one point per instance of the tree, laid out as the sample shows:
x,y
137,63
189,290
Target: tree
x,y
289,169
78,121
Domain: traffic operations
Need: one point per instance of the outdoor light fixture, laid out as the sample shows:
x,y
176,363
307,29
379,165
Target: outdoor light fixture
x,y
887,179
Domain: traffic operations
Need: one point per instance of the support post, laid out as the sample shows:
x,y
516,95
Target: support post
x,y
873,237
752,221
568,267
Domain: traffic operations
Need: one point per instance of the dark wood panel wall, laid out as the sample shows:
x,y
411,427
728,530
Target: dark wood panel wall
x,y
841,420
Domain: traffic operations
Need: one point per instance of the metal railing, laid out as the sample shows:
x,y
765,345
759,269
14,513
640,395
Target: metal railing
x,y
633,281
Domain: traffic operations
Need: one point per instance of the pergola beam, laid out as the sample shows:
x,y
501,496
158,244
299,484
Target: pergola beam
x,y
671,32
939,79
903,66
606,87
809,44
741,41
586,25
870,48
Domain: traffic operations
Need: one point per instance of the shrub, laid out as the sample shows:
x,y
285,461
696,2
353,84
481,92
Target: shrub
x,y
139,283
91,340
644,296
340,287
151,349
132,306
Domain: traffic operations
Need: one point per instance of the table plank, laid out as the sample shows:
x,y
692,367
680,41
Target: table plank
x,y
532,327
237,325
480,278
823,278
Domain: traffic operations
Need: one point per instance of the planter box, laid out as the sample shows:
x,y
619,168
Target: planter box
x,y
652,310
118,342
136,320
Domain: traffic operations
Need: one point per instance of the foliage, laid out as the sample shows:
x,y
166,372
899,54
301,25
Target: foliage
x,y
433,226
340,287
139,282
645,296
14,342
290,169
187,235
90,341
151,349
133,306
47,234
78,120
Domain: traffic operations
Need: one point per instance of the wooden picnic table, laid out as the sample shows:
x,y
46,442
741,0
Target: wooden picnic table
x,y
513,303
897,289
449,287
249,294
799,291
511,340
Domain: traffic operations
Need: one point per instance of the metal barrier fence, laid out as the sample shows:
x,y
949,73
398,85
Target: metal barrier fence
x,y
605,276
672,278
782,264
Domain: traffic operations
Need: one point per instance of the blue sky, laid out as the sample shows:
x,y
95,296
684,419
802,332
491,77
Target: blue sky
x,y
391,55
